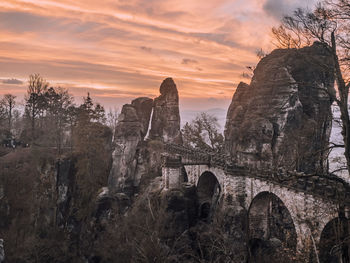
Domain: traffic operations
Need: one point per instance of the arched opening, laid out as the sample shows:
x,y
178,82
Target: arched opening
x,y
270,227
208,193
334,246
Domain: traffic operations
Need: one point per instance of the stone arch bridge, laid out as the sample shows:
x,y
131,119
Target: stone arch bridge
x,y
296,208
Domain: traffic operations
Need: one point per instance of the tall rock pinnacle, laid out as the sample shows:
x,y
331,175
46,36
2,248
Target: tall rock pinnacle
x,y
165,124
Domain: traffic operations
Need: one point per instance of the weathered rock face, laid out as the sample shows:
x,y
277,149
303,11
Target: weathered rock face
x,y
2,251
166,116
143,107
65,180
4,209
283,118
182,209
131,128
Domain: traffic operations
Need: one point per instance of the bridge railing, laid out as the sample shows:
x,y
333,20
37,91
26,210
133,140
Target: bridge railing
x,y
191,156
195,156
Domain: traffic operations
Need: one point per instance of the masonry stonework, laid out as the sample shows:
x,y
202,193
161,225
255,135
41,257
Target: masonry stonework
x,y
310,213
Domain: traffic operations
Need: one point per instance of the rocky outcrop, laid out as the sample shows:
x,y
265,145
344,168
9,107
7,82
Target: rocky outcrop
x,y
181,210
283,118
137,155
131,128
166,116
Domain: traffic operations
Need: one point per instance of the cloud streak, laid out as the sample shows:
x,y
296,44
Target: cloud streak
x,y
125,48
12,81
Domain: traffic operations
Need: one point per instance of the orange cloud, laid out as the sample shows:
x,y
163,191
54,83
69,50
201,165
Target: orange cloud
x,y
124,48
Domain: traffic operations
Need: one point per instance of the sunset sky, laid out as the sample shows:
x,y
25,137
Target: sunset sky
x,y
119,50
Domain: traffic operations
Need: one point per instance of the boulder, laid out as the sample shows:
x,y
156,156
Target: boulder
x,y
283,118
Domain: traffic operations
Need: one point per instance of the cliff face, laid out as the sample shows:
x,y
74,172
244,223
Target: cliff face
x,y
283,118
166,116
65,181
143,107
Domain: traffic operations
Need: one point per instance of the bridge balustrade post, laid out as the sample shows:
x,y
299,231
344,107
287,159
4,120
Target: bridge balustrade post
x,y
172,172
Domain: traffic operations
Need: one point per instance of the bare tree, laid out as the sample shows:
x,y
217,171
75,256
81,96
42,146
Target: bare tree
x,y
9,104
34,99
328,23
203,133
112,118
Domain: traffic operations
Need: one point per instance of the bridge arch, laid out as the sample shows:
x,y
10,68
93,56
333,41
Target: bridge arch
x,y
269,220
334,245
208,193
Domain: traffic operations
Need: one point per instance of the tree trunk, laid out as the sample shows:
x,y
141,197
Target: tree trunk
x,y
33,121
10,115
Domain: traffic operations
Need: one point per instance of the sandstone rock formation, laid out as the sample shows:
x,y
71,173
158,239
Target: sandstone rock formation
x,y
166,116
131,129
134,156
283,118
